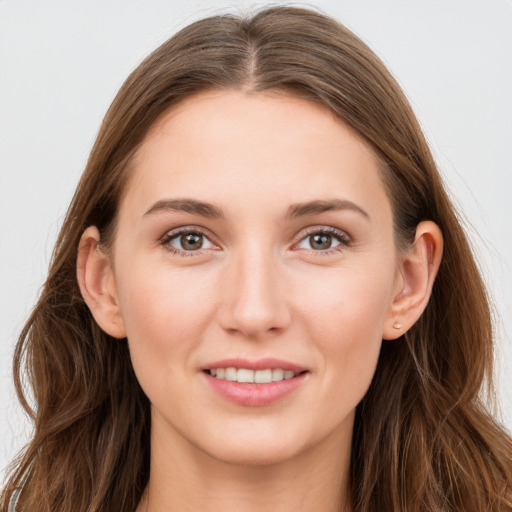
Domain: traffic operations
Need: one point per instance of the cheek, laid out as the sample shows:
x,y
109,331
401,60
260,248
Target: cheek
x,y
345,316
352,302
164,311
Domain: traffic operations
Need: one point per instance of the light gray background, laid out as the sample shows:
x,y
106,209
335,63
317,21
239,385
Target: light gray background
x,y
62,62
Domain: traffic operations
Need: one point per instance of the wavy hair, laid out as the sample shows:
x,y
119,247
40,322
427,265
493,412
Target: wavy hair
x,y
423,437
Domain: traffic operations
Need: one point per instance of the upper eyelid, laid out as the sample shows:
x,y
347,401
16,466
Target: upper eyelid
x,y
340,233
198,229
186,229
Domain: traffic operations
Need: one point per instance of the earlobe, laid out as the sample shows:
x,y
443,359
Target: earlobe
x,y
418,269
97,285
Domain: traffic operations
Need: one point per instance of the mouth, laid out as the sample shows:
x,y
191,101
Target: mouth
x,y
249,376
254,383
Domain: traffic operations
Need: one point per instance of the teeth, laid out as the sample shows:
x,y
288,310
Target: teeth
x,y
245,375
263,376
277,374
231,374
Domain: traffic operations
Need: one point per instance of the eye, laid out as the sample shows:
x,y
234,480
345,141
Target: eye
x,y
325,240
187,241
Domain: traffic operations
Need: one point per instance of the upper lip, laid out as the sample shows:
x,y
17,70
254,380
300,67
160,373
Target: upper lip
x,y
256,364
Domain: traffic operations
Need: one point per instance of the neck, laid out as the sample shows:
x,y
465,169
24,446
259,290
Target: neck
x,y
185,478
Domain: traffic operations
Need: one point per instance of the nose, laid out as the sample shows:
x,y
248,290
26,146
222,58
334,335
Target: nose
x,y
254,303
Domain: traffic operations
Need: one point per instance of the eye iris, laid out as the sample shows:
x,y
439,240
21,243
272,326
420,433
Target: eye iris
x,y
320,241
191,241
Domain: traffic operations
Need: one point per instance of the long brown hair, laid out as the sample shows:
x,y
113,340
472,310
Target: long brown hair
x,y
423,438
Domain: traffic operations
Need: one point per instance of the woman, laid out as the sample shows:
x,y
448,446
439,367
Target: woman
x,y
261,295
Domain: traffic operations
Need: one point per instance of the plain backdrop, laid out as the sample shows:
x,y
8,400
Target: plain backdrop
x,y
61,64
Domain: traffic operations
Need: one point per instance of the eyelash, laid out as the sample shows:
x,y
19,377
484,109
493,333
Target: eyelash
x,y
342,237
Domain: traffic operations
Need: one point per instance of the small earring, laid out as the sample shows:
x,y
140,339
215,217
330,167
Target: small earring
x,y
397,325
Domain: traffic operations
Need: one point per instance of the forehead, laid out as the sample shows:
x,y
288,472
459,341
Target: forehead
x,y
253,150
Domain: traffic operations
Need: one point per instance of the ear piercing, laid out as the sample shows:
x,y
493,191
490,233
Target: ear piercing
x,y
397,325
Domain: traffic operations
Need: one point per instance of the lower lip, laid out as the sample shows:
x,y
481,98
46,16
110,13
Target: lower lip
x,y
254,395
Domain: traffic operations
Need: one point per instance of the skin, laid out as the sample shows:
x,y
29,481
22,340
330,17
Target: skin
x,y
259,287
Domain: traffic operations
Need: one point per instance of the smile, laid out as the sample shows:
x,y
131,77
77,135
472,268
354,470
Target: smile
x,y
246,375
254,383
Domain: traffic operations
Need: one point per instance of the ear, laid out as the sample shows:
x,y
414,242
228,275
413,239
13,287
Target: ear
x,y
418,269
97,285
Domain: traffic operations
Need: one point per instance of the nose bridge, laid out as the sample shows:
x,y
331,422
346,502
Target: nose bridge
x,y
254,301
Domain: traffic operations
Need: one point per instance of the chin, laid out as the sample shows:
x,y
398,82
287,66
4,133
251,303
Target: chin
x,y
254,455
257,446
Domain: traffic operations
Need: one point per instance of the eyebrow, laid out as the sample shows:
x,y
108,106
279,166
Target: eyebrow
x,y
193,206
296,210
321,206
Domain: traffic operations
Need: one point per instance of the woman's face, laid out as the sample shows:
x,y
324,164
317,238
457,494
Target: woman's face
x,y
254,241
